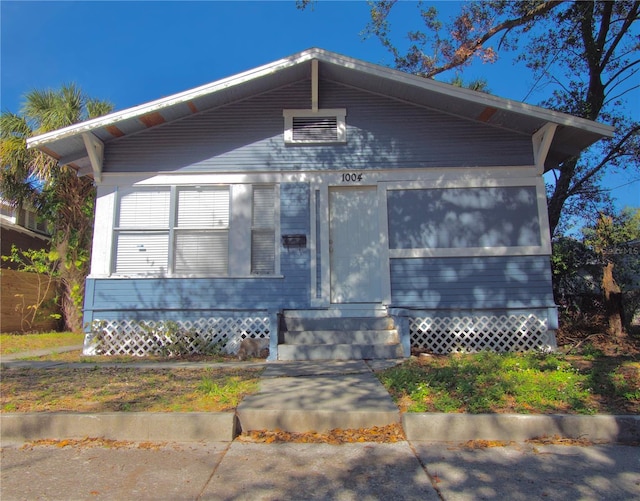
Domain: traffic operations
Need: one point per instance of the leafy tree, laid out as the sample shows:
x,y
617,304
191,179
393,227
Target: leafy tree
x,y
570,259
62,198
586,54
608,237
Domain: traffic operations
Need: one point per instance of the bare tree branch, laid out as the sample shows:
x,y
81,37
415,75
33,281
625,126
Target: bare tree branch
x,y
469,48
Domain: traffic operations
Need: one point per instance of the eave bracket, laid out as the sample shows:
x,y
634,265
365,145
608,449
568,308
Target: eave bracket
x,y
95,150
542,139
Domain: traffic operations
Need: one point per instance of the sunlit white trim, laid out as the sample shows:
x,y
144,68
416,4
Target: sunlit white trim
x,y
104,221
314,85
537,250
432,174
95,150
341,126
541,144
384,244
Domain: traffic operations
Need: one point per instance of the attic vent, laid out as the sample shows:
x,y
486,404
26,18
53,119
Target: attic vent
x,y
315,127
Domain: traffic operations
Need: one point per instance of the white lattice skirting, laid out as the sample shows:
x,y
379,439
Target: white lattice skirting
x,y
148,337
473,333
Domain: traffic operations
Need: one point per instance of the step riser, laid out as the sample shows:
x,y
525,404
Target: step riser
x,y
337,324
342,337
338,352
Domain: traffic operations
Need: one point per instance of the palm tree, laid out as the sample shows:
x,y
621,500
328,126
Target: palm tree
x,y
62,198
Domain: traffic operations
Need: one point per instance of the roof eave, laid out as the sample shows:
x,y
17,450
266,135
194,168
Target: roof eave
x,y
166,102
590,127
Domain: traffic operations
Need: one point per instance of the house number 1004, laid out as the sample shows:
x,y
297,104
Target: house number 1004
x,y
351,177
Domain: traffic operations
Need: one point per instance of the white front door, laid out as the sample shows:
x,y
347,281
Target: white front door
x,y
354,245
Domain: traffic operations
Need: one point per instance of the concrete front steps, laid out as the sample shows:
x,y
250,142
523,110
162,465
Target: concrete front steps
x,y
323,335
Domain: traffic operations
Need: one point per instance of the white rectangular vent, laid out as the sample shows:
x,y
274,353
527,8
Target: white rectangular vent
x,y
315,127
324,129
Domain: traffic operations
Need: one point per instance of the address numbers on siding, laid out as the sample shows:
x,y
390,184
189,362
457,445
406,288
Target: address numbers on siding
x,y
352,177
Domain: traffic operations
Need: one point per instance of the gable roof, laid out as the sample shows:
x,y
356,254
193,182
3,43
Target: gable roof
x,y
78,143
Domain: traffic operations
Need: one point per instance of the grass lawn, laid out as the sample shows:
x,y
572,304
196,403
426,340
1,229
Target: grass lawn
x,y
108,389
514,382
589,381
17,343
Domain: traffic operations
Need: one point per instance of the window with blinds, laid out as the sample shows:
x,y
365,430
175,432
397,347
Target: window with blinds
x,y
263,231
202,231
185,231
142,232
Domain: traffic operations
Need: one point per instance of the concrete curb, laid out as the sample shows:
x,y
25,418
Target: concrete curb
x,y
224,427
519,427
132,426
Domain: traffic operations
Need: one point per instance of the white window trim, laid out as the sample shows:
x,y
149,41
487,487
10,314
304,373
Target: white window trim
x,y
117,230
339,113
111,204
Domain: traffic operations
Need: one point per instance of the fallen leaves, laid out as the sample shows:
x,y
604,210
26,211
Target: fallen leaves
x,y
558,440
485,444
380,434
93,442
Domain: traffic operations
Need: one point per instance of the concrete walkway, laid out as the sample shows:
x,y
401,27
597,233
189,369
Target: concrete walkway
x,y
292,471
318,396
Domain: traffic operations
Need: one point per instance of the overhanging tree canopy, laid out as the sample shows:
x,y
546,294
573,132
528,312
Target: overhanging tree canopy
x,y
587,53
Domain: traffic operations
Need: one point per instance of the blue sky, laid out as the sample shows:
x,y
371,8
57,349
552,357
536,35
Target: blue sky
x,y
133,52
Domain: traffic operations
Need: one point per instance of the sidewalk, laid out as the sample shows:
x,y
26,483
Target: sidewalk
x,y
292,471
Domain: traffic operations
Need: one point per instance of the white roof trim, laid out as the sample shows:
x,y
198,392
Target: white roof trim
x,y
471,95
165,102
331,58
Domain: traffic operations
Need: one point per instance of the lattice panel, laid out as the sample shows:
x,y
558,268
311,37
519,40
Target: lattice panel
x,y
472,333
205,335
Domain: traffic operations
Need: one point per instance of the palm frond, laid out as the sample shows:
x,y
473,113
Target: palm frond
x,y
97,108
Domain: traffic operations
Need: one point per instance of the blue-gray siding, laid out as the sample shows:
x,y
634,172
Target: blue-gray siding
x,y
381,133
471,282
463,217
176,298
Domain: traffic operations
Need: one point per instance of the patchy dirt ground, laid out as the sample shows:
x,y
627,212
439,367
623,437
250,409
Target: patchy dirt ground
x,y
122,389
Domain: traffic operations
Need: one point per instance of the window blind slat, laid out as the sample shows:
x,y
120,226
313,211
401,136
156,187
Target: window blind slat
x,y
142,253
203,208
144,209
263,252
263,207
202,253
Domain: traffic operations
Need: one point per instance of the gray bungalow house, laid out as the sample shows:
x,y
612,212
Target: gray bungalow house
x,y
338,208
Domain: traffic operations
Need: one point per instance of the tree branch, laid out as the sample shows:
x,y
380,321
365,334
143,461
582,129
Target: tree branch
x,y
468,48
614,152
620,72
631,17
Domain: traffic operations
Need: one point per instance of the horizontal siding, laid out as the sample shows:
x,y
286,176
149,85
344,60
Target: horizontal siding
x,y
467,217
381,133
191,294
177,298
477,282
